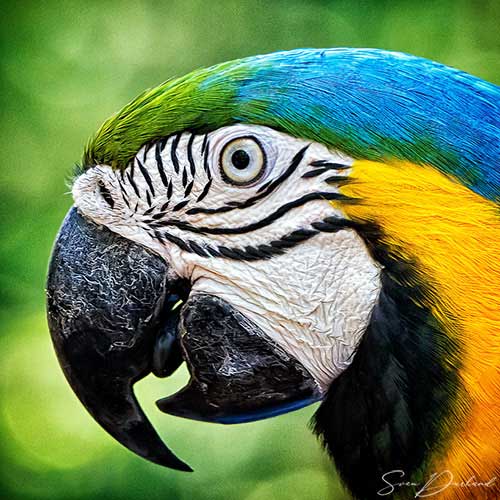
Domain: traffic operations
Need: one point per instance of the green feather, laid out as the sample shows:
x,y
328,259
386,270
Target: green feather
x,y
183,103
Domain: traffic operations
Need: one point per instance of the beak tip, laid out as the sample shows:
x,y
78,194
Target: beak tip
x,y
186,403
186,468
172,462
160,404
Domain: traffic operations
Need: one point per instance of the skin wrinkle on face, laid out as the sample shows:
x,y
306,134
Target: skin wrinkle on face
x,y
314,301
324,345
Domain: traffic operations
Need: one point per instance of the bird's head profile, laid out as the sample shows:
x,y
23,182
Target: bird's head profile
x,y
303,226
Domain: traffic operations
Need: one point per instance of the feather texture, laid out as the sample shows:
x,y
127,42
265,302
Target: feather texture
x,y
369,103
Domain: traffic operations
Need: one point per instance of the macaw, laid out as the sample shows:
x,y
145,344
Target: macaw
x,y
298,227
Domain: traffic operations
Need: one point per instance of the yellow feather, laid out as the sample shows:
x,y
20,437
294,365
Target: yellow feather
x,y
454,235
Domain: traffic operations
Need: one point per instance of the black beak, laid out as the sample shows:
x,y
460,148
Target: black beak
x,y
110,315
106,297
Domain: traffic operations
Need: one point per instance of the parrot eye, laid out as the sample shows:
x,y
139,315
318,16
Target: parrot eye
x,y
242,161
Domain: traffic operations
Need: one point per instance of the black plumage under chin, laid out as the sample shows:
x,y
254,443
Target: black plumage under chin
x,y
386,411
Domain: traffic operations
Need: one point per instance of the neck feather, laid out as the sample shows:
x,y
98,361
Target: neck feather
x,y
389,409
431,350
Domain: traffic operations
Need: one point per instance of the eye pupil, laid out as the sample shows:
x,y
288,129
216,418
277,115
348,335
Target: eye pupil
x,y
240,159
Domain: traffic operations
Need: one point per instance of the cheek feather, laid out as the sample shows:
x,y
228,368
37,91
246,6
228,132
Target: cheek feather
x,y
315,301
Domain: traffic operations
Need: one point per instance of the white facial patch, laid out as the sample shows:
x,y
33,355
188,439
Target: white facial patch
x,y
245,213
315,301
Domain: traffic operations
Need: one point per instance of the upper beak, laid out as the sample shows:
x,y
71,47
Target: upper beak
x,y
105,299
110,315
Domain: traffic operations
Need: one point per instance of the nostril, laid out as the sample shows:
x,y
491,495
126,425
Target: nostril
x,y
106,195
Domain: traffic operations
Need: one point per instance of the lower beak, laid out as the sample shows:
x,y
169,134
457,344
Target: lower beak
x,y
237,373
109,304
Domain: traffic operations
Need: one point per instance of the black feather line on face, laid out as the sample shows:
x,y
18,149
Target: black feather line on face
x,y
205,191
188,189
327,164
280,212
337,180
133,184
173,152
314,173
122,187
159,237
177,207
132,169
158,215
198,249
124,198
204,144
146,150
177,241
106,195
192,165
159,162
206,150
259,252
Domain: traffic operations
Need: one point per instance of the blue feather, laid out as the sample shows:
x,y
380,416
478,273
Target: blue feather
x,y
378,105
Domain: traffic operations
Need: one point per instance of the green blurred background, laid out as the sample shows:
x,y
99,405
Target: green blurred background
x,y
65,67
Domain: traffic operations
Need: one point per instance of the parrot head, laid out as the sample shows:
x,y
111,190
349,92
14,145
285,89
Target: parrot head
x,y
264,222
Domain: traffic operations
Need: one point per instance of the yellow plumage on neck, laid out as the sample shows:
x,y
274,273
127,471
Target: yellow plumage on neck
x,y
454,236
